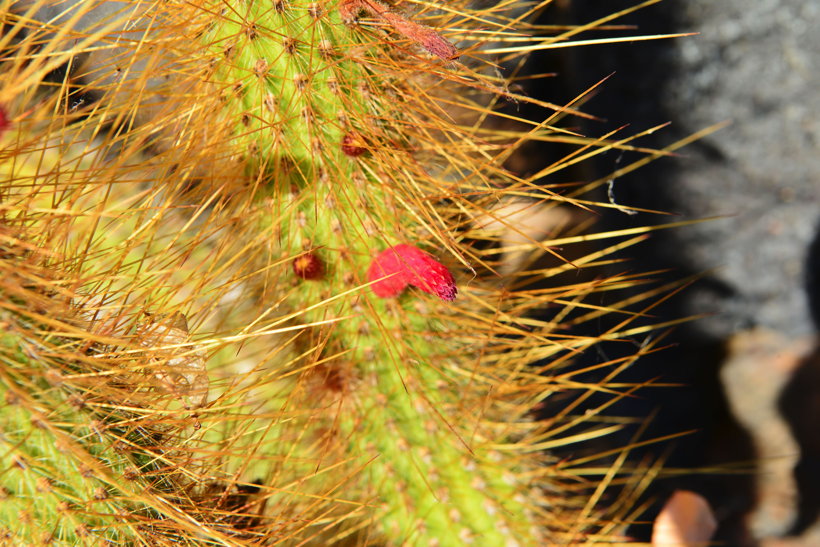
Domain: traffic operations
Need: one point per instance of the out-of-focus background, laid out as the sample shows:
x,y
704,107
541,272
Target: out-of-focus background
x,y
750,368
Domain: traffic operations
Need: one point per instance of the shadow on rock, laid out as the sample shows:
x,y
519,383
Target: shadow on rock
x,y
800,406
697,403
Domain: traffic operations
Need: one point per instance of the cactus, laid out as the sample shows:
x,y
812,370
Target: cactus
x,y
318,188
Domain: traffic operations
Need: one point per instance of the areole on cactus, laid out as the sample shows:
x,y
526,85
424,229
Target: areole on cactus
x,y
254,167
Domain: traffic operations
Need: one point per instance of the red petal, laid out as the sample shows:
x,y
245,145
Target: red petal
x,y
386,263
437,280
411,266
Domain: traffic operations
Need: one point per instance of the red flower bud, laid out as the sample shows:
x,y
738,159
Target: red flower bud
x,y
410,265
308,266
387,263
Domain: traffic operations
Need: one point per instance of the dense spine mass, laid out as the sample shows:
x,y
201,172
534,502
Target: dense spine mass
x,y
262,304
53,473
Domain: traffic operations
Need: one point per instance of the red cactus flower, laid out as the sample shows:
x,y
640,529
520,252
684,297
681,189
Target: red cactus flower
x,y
308,266
387,272
410,265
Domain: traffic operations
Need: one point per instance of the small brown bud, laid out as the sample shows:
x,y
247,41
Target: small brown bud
x,y
308,266
353,145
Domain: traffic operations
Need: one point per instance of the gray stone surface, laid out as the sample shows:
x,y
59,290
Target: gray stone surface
x,y
757,65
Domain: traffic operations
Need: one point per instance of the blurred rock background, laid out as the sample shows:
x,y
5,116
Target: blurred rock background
x,y
749,369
